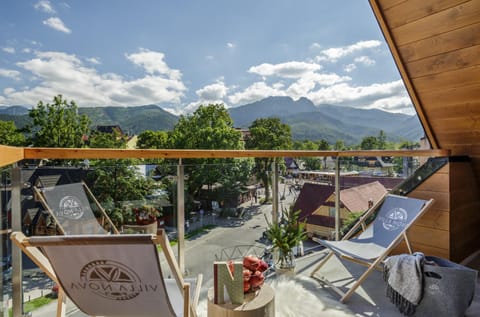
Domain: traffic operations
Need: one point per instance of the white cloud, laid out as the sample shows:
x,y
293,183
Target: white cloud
x,y
335,53
349,68
61,73
365,60
254,92
93,60
45,6
287,70
153,63
10,73
8,90
57,24
230,45
27,50
303,86
315,46
10,50
213,92
364,96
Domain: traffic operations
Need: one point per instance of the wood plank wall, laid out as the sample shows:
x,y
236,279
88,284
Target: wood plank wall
x,y
436,46
450,228
464,211
431,233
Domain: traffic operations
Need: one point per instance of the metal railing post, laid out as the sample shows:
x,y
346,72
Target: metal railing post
x,y
17,289
181,215
337,198
275,192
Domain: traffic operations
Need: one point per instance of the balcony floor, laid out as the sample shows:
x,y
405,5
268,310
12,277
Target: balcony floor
x,y
303,296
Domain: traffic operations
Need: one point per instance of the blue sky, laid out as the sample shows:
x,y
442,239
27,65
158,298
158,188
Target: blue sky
x,y
179,54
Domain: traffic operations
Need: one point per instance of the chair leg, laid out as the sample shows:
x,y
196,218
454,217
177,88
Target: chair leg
x,y
361,279
322,263
61,303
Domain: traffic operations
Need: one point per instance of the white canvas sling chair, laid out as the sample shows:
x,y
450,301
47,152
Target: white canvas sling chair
x,y
113,275
69,206
377,240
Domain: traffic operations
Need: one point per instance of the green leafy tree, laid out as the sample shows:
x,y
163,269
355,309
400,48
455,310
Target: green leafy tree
x,y
369,143
58,124
210,127
153,140
323,145
268,134
107,140
310,163
382,140
339,145
117,182
10,135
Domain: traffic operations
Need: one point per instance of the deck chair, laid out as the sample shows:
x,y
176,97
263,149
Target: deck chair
x,y
113,275
69,205
395,214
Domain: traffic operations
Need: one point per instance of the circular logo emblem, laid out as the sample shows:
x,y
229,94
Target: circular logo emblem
x,y
70,207
395,219
111,279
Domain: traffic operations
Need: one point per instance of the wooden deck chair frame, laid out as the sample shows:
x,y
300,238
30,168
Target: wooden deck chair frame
x,y
371,265
40,196
35,253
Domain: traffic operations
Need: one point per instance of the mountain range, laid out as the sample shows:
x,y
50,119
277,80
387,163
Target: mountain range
x,y
307,121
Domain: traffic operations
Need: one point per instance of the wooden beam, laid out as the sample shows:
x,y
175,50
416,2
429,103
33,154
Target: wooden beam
x,y
80,153
10,155
403,73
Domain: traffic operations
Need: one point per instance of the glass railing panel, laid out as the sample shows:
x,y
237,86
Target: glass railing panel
x,y
226,205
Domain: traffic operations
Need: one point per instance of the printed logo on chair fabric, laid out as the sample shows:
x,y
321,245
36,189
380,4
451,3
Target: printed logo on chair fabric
x,y
70,207
111,280
396,218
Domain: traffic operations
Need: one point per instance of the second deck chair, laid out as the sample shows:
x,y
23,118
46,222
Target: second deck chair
x,y
394,217
113,275
69,206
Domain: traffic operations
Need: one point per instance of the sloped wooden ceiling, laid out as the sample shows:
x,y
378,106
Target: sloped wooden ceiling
x,y
436,46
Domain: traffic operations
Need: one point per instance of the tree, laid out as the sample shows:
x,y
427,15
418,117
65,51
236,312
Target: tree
x,y
268,134
115,182
323,145
310,163
339,145
210,127
369,143
107,140
58,124
153,140
10,135
382,140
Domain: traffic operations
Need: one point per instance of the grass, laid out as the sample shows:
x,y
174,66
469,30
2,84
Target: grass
x,y
34,304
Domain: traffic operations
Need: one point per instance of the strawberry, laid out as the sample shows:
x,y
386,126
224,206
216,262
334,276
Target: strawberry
x,y
251,262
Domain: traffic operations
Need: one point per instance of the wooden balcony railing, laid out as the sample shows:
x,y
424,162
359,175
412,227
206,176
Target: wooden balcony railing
x,y
11,155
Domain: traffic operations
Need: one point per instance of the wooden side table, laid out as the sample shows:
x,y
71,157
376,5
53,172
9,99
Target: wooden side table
x,y
259,304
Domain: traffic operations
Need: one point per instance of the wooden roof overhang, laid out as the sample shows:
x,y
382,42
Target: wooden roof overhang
x,y
436,47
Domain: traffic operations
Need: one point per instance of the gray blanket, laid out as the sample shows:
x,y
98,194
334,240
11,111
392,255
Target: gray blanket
x,y
404,277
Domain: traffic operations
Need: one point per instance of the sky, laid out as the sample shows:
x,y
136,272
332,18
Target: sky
x,y
180,54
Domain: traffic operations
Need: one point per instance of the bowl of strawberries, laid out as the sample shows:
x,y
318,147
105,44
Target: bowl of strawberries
x,y
253,273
